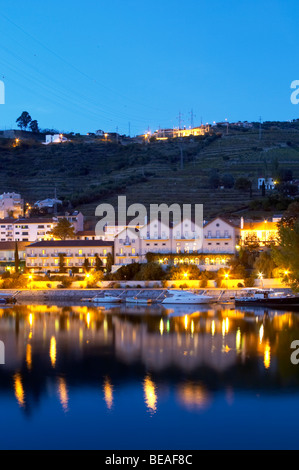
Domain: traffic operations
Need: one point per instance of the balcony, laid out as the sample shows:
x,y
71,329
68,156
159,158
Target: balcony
x,y
218,237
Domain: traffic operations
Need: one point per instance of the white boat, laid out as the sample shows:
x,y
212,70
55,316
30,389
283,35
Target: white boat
x,y
138,300
106,299
186,297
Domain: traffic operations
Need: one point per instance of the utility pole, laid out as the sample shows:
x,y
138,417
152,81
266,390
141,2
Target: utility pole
x,y
260,131
180,120
226,126
117,134
192,116
129,129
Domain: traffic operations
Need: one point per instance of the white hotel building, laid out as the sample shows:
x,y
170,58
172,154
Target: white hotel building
x,y
211,247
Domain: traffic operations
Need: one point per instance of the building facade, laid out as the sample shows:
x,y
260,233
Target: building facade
x,y
7,254
208,248
11,205
259,234
46,255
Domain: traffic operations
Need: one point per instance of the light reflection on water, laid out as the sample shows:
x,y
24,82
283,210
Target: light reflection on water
x,y
145,363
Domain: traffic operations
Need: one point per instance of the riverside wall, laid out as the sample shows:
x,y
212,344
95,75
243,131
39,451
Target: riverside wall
x,y
85,295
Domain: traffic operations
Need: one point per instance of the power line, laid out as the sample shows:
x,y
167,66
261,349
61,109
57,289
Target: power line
x,y
72,65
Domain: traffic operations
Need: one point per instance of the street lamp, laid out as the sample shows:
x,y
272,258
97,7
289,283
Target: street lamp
x,y
261,277
226,275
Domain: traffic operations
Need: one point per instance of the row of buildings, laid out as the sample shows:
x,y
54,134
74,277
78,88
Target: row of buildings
x,y
210,247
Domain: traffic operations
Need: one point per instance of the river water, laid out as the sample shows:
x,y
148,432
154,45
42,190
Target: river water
x,y
182,378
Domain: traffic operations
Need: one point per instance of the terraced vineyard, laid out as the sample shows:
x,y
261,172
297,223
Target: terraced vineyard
x,y
87,173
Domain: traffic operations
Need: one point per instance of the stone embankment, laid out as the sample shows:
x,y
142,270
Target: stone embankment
x,y
82,295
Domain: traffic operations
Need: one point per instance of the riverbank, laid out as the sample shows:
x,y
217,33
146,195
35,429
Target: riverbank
x,y
52,295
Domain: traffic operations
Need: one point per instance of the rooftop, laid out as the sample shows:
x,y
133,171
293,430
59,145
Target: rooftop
x,y
4,246
71,243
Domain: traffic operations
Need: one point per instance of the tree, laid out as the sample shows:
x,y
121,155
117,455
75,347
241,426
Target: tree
x,y
243,184
109,263
184,272
17,260
286,255
214,180
63,230
291,215
228,181
92,282
34,126
127,272
24,120
265,264
150,272
86,265
61,263
98,263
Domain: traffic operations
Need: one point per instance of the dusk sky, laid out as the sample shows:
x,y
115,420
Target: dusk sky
x,y
83,66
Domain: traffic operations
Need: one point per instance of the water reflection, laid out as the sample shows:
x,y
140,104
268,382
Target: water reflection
x,y
63,393
108,393
193,353
19,390
53,351
193,395
150,394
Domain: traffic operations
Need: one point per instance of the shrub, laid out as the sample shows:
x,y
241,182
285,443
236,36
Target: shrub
x,y
249,282
66,283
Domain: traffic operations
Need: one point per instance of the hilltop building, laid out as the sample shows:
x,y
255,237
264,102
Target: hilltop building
x,y
268,182
47,203
55,139
11,205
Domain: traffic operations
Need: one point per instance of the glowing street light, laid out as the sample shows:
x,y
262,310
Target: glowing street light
x,y
226,276
261,277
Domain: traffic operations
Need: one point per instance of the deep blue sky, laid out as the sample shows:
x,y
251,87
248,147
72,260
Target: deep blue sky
x,y
87,65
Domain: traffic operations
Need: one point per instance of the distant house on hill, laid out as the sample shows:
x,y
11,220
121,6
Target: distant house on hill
x,y
11,205
55,139
268,182
47,203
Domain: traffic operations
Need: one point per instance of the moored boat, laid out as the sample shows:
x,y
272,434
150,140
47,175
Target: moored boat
x,y
107,299
138,300
267,298
186,297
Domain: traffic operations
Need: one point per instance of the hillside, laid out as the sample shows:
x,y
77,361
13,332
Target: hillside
x,y
88,172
